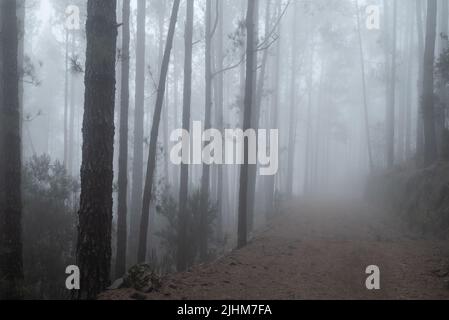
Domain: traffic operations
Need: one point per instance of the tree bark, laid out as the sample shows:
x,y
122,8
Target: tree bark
x,y
123,152
151,166
248,104
255,117
270,199
11,263
71,140
66,101
205,178
219,113
137,173
428,100
420,125
95,213
181,262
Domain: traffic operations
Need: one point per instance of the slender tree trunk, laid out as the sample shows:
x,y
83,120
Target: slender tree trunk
x,y
205,178
293,113
271,183
409,77
365,97
123,152
161,27
176,109
184,179
219,113
255,118
151,165
420,125
428,101
307,167
261,83
137,173
248,104
66,101
11,263
95,213
390,114
72,112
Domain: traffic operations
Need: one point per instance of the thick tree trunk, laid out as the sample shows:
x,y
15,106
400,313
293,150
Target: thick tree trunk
x,y
181,262
137,173
151,166
11,264
441,107
248,104
95,213
428,100
123,152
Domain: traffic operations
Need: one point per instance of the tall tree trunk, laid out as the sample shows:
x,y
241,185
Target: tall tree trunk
x,y
420,125
72,107
137,173
365,98
390,114
181,262
248,104
151,165
428,100
293,113
441,107
409,77
270,199
123,152
261,83
11,264
308,158
255,118
95,213
66,101
205,178
219,113
161,27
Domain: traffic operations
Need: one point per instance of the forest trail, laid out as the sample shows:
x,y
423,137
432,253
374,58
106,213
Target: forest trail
x,y
320,251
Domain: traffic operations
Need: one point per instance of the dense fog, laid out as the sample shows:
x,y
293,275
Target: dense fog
x,y
336,91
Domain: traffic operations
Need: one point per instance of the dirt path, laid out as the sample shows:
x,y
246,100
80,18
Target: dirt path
x,y
319,252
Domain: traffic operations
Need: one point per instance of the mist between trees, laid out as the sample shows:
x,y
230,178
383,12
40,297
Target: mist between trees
x,y
91,92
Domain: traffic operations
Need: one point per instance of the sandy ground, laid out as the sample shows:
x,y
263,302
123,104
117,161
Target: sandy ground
x,y
320,251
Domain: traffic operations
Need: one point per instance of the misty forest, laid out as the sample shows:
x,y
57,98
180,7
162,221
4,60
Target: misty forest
x,y
342,111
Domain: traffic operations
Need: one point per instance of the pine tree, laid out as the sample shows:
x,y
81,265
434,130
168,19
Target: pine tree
x,y
11,263
123,152
95,213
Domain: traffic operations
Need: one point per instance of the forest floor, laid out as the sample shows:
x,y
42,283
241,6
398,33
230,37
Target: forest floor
x,y
320,251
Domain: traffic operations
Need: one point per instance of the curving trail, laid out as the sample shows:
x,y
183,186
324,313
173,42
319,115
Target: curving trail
x,y
320,251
